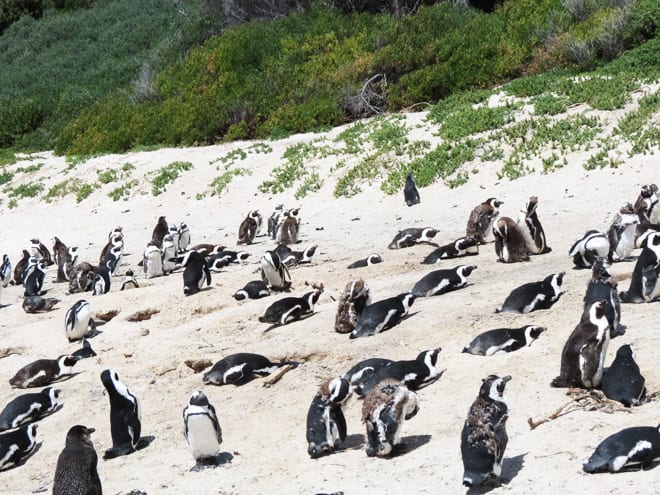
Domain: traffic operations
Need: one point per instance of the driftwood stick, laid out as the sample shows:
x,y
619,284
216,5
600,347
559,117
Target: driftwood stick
x,y
277,376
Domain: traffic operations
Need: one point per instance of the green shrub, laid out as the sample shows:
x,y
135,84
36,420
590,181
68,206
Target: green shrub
x,y
123,191
166,175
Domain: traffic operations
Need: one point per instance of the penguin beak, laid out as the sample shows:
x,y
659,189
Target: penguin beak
x,y
506,378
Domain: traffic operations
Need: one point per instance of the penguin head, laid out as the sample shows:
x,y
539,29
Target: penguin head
x,y
407,299
626,350
52,393
311,298
467,270
430,357
315,451
532,333
374,258
241,295
532,204
79,434
597,310
199,399
492,388
67,361
336,391
494,203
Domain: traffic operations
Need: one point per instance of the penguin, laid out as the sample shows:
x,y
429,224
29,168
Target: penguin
x,y
274,272
60,251
274,221
384,410
289,230
534,295
635,445
202,429
173,231
414,235
584,352
36,304
33,277
225,257
101,281
86,351
76,472
502,340
81,278
291,258
5,271
112,259
372,259
195,273
290,309
383,315
65,258
115,245
28,408
592,246
621,235
354,299
249,227
184,237
484,437
254,289
16,446
410,192
129,282
240,368
325,418
441,281
43,372
78,321
603,286
125,417
463,246
646,204
361,372
414,374
168,252
510,245
208,249
20,267
41,252
160,230
531,228
622,381
481,219
643,284
152,262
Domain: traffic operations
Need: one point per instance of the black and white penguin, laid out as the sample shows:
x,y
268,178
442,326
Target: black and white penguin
x,y
35,304
383,315
76,472
621,235
207,248
160,230
291,258
410,192
274,272
195,273
65,258
173,231
481,219
592,246
5,271
603,287
639,445
168,253
362,371
41,252
16,446
326,423
33,277
288,231
531,228
501,340
534,295
463,246
43,372
20,267
152,262
584,352
28,408
78,321
202,429
254,289
240,368
219,260
184,237
484,437
125,425
372,259
102,281
415,374
646,205
510,244
622,381
112,252
384,410
274,220
643,284
290,309
440,281
86,351
249,227
353,300
129,282
414,235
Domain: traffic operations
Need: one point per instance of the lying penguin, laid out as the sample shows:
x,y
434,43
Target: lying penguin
x,y
502,340
290,309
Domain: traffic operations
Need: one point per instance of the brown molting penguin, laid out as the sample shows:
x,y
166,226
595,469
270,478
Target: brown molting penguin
x,y
646,205
20,266
76,472
81,277
160,230
354,299
510,245
249,227
289,230
621,234
481,219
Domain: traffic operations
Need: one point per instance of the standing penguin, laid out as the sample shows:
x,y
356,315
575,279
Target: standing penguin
x,y
274,272
184,237
102,280
28,408
202,430
78,321
289,230
603,287
644,286
481,219
33,277
534,295
325,418
125,418
5,271
510,244
249,227
129,282
441,281
621,234
274,221
383,315
152,262
484,437
160,230
384,410
530,226
583,356
354,299
76,472
592,246
622,381
16,446
196,272
65,258
410,192
41,252
20,267
646,204
636,445
168,253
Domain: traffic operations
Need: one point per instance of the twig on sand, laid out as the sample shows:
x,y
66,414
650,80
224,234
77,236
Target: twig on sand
x,y
8,351
277,376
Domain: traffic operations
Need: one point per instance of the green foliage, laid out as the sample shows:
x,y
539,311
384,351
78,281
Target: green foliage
x,y
219,183
166,175
25,190
6,176
84,190
123,191
549,104
470,121
311,183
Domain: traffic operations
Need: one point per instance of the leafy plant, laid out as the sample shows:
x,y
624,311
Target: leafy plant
x,y
219,183
122,191
166,175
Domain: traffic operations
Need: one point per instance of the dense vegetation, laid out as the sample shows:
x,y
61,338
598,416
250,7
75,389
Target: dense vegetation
x,y
122,74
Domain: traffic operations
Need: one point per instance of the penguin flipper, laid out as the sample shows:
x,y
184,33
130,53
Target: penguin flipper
x,y
341,422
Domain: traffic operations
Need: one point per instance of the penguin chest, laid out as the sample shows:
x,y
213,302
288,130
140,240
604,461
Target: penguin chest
x,y
202,437
626,244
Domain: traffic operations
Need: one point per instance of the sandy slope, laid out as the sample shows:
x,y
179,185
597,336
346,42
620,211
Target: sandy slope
x,y
264,428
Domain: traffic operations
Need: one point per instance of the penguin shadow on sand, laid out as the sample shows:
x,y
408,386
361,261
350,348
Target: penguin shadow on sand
x,y
277,325
511,466
408,444
219,460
